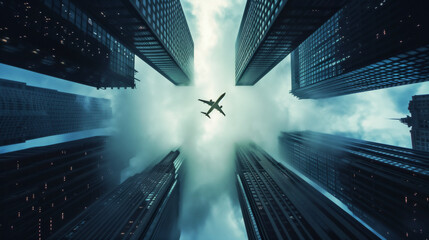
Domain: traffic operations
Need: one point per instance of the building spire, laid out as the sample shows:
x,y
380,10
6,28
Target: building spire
x,y
406,120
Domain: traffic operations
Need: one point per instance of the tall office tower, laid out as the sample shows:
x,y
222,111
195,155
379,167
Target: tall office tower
x,y
145,206
277,204
419,122
56,38
367,45
156,31
30,112
43,188
386,186
270,30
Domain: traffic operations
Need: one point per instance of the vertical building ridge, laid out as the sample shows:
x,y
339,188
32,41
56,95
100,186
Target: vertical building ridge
x,y
385,186
156,31
145,206
270,30
277,204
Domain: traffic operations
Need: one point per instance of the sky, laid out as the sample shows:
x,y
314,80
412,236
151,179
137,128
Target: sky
x,y
158,117
168,116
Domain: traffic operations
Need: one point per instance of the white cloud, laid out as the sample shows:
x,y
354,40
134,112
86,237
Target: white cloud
x,y
159,116
222,215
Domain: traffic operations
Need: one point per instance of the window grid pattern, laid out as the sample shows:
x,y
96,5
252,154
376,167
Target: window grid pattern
x,y
59,39
280,205
385,186
419,109
367,45
167,20
29,112
137,204
271,29
156,31
48,186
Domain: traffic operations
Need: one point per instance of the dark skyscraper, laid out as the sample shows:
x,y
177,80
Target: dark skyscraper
x,y
43,188
277,204
145,206
156,31
57,38
386,186
270,30
419,122
30,112
367,45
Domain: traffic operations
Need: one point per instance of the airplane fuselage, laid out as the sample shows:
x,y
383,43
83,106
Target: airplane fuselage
x,y
213,105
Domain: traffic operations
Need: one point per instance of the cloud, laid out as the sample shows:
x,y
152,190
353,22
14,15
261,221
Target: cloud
x,y
149,121
363,115
158,117
223,214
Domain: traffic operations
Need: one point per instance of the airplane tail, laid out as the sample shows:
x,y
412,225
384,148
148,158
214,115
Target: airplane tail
x,y
206,114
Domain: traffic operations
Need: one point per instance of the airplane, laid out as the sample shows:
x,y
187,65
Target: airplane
x,y
213,105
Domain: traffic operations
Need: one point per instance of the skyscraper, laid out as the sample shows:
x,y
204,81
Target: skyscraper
x,y
386,186
270,30
277,204
145,206
30,112
57,38
367,45
43,188
419,122
156,31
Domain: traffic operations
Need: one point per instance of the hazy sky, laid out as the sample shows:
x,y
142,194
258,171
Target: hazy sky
x,y
158,116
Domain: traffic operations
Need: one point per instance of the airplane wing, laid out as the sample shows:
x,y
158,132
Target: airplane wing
x,y
204,101
219,109
213,105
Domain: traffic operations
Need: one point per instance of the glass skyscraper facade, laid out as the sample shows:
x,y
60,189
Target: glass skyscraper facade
x,y
28,112
145,206
271,29
57,38
419,122
277,204
156,31
385,186
367,45
43,188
